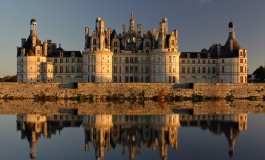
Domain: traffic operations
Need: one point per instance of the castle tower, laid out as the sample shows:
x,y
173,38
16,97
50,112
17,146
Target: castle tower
x,y
233,60
97,57
31,57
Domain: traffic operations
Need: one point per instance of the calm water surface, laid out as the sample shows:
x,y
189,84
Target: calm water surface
x,y
174,136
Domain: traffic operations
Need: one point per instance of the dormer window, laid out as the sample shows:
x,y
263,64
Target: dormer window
x,y
61,54
73,54
188,55
198,55
209,56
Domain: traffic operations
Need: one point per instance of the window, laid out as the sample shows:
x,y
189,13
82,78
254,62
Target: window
x,y
169,69
209,70
88,68
93,68
183,61
67,69
61,69
127,60
135,69
61,60
183,70
193,69
55,69
94,41
115,70
73,69
136,60
193,61
131,60
126,69
93,59
199,70
174,69
203,70
241,69
241,61
79,69
115,78
203,62
223,69
174,59
131,69
93,79
115,60
241,79
223,61
115,44
67,60
115,50
170,60
213,61
172,42
188,70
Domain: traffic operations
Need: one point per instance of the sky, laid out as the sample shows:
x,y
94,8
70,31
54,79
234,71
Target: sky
x,y
200,23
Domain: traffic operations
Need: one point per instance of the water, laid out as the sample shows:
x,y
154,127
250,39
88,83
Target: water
x,y
183,135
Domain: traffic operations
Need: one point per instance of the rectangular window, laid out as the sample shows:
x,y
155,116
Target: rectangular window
x,y
183,61
61,69
127,60
73,69
193,69
183,70
199,70
131,69
93,79
126,69
203,70
94,41
136,60
174,59
61,60
55,69
241,69
88,68
135,69
131,60
115,70
115,60
223,69
188,70
209,70
170,60
115,78
241,61
126,79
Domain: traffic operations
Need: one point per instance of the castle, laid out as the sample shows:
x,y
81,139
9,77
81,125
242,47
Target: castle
x,y
132,56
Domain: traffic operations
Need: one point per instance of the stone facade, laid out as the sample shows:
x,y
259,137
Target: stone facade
x,y
132,56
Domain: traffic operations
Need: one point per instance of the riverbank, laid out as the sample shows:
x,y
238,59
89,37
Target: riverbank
x,y
132,91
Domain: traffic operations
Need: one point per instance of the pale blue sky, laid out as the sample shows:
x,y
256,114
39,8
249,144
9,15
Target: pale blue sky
x,y
200,23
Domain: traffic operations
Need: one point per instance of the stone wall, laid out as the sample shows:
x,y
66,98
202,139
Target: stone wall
x,y
30,106
146,90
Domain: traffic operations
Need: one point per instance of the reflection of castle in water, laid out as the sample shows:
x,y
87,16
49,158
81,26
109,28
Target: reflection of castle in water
x,y
132,132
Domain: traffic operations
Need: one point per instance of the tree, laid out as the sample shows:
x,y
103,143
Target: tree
x,y
259,74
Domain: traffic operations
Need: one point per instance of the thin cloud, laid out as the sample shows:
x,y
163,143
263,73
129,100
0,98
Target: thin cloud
x,y
198,1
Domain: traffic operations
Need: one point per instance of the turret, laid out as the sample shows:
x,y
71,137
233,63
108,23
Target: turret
x,y
45,48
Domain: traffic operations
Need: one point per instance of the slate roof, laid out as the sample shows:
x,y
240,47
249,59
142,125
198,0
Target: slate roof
x,y
65,54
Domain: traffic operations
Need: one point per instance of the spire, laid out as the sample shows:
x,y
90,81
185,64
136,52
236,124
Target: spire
x,y
132,23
